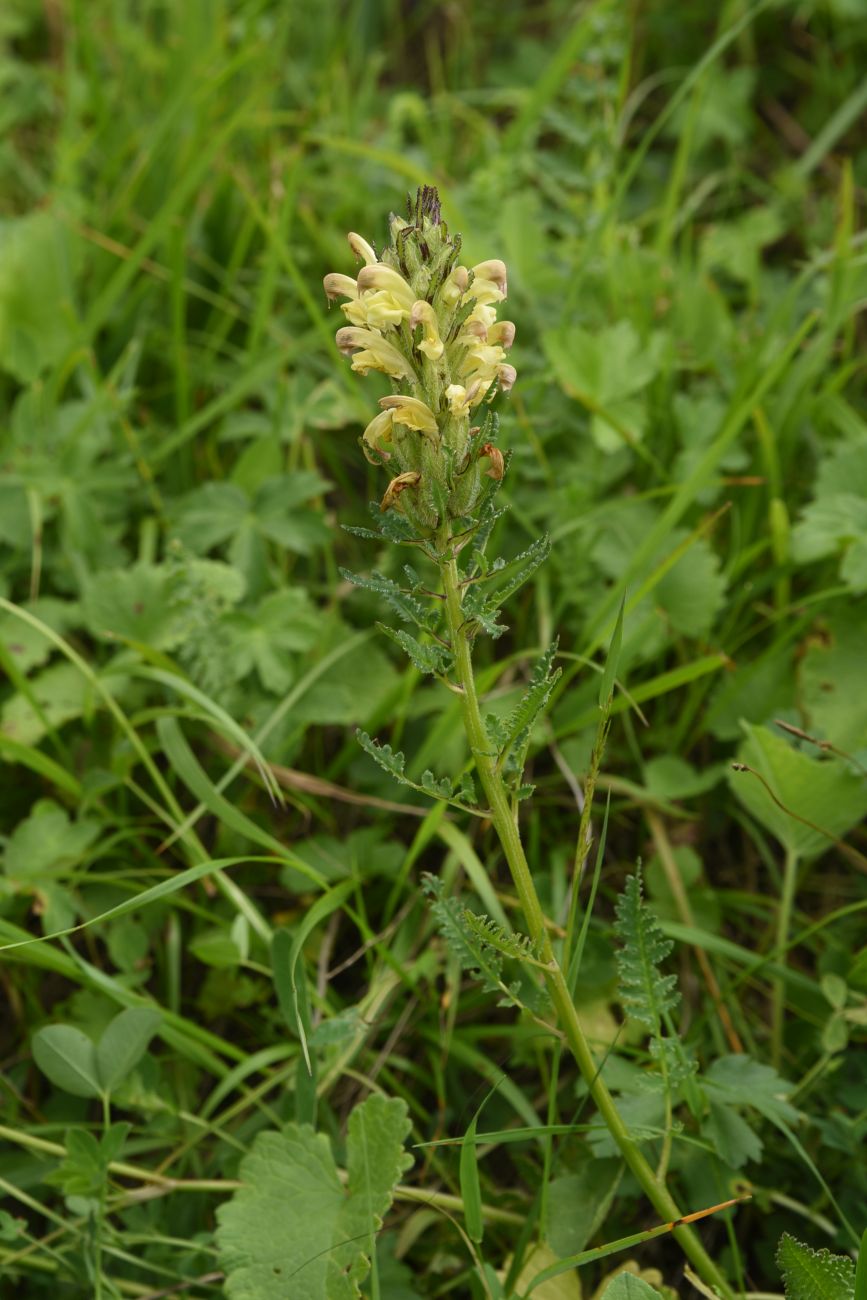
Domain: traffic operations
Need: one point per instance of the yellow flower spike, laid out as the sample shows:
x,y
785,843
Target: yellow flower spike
x,y
339,286
411,478
361,248
423,314
502,332
385,277
376,433
411,412
376,353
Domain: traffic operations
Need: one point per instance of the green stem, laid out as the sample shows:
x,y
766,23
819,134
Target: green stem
x,y
506,827
784,924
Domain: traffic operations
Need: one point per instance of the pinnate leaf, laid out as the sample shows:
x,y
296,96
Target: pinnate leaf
x,y
294,1229
646,993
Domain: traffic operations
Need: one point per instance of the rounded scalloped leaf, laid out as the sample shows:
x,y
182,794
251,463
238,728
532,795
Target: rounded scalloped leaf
x,y
294,1228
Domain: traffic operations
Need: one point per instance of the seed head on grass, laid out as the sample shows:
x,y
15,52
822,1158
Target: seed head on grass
x,y
419,316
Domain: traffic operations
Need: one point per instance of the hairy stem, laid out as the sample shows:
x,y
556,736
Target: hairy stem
x,y
507,830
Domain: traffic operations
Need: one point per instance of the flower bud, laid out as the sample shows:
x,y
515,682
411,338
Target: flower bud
x,y
339,286
507,376
361,248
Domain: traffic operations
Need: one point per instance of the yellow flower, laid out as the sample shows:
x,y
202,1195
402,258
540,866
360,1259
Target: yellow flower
x,y
455,286
377,308
482,361
423,314
502,332
376,433
411,412
460,399
381,276
481,315
494,271
376,353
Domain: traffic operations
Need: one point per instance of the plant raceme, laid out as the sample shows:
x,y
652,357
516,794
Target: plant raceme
x,y
429,323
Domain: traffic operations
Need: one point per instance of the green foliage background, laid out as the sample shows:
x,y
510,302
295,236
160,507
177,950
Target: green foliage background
x,y
677,190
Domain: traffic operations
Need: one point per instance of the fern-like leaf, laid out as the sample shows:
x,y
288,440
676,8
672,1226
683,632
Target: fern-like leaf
x,y
402,602
392,761
474,957
515,730
430,658
517,947
645,992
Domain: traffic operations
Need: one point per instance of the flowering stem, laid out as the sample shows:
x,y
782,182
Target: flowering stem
x,y
506,826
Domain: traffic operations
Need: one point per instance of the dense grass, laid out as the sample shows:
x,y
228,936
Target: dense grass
x,y
677,194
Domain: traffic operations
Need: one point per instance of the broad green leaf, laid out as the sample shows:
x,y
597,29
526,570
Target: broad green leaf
x,y
567,1286
68,1058
626,1286
37,310
814,1274
133,604
739,1080
832,680
47,842
123,1044
26,645
294,1229
61,693
264,639
578,1204
822,791
731,1136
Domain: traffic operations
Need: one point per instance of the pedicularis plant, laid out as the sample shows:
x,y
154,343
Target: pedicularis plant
x,y
418,315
